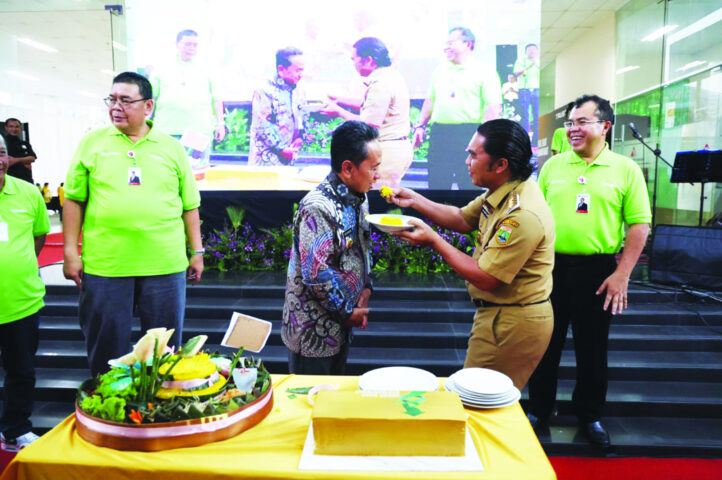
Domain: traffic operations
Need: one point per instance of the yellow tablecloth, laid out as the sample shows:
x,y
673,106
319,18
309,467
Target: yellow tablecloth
x,y
272,449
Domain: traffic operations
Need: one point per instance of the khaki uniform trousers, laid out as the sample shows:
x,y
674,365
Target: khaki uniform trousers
x,y
396,158
511,340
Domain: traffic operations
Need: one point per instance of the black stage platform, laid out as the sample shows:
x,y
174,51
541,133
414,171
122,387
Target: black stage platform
x,y
665,390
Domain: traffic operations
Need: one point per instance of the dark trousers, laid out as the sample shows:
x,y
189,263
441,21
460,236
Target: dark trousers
x,y
333,365
529,98
576,280
106,308
18,344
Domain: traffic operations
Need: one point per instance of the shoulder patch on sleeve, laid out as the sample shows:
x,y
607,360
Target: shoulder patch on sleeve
x,y
503,235
511,222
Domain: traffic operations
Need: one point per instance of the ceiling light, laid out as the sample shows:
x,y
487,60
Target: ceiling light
x,y
627,69
88,94
40,46
24,76
120,46
659,33
696,63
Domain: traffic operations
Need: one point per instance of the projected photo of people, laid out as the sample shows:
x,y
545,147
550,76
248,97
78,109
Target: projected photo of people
x,y
254,91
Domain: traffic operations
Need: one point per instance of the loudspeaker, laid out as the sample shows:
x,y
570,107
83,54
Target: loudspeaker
x,y
505,59
686,256
447,156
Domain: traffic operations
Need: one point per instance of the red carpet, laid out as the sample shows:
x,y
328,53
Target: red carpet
x,y
52,252
574,468
5,458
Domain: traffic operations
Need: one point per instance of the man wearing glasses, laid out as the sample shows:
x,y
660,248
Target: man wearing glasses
x,y
131,190
592,193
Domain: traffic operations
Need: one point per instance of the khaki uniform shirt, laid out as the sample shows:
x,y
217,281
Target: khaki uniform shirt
x,y
386,103
515,243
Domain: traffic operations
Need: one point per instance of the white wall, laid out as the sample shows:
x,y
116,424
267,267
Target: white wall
x,y
55,130
587,65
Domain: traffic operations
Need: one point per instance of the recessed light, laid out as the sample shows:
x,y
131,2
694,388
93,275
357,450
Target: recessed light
x,y
24,76
696,63
659,33
627,69
40,46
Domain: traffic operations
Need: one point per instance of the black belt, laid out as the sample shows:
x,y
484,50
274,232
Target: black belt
x,y
394,139
479,303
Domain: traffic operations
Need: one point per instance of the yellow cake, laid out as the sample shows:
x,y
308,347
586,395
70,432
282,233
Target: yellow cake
x,y
366,423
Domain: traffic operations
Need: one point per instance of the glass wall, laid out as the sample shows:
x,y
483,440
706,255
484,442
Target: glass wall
x,y
668,71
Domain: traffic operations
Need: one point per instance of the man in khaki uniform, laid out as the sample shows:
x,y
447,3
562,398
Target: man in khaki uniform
x,y
509,275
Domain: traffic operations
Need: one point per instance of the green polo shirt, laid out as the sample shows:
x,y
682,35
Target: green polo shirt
x,y
531,78
132,229
617,195
184,98
560,142
23,211
461,93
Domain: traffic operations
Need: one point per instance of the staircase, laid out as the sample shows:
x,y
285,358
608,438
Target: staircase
x,y
665,359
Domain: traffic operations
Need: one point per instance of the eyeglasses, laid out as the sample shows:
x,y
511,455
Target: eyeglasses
x,y
123,102
582,123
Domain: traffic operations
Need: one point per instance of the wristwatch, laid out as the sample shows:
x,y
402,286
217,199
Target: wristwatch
x,y
199,252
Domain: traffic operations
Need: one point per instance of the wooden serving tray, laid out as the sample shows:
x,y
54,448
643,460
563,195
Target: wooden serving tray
x,y
164,436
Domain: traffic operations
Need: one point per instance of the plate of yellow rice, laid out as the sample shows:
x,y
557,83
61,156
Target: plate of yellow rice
x,y
387,222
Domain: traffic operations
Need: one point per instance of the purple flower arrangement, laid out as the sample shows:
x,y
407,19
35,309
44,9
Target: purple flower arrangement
x,y
245,248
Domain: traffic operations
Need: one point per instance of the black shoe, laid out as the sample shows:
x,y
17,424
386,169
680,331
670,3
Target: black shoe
x,y
596,434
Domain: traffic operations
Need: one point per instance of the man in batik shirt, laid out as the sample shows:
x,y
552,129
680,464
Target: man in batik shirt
x,y
278,116
328,284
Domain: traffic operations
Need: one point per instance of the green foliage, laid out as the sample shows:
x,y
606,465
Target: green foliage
x,y
237,136
244,248
422,151
317,138
235,214
111,408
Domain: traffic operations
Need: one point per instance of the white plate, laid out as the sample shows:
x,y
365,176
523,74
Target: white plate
x,y
375,220
402,379
452,387
482,381
510,401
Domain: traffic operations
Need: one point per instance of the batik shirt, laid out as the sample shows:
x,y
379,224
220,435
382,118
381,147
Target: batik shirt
x,y
278,117
329,268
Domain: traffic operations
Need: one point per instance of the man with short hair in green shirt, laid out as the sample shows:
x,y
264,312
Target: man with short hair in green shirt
x,y
131,190
23,226
463,90
592,193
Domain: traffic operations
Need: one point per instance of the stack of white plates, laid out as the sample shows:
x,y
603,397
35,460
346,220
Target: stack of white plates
x,y
483,388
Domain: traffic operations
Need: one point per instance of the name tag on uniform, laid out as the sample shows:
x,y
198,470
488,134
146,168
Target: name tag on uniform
x,y
583,203
4,233
134,176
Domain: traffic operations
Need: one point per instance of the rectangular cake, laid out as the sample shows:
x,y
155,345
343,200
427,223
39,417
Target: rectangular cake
x,y
373,423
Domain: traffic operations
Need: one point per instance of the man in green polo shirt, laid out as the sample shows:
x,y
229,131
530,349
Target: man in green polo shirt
x,y
23,226
185,103
592,193
463,90
131,190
